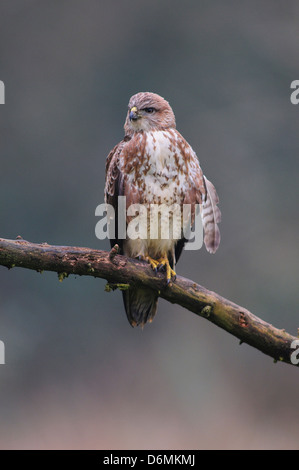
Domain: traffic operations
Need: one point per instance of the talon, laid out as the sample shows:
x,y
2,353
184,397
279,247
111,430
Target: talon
x,y
169,272
164,262
154,263
160,264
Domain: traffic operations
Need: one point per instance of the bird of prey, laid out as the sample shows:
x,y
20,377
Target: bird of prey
x,y
154,164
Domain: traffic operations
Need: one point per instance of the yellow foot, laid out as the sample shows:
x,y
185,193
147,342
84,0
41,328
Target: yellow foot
x,y
154,263
160,263
170,273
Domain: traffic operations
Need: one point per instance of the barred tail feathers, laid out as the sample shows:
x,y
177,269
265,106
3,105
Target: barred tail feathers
x,y
211,216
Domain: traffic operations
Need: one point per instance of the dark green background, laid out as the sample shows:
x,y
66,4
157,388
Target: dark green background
x,y
77,376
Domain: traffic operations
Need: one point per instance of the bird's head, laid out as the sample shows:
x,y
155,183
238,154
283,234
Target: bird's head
x,y
148,112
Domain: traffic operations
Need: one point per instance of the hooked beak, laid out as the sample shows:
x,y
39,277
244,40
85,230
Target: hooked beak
x,y
133,116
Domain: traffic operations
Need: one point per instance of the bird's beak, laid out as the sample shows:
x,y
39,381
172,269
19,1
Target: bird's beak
x,y
133,114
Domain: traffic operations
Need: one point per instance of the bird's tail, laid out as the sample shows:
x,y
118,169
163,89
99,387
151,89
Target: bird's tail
x,y
211,216
140,305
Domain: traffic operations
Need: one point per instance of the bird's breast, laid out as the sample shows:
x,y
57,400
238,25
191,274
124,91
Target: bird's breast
x,y
162,153
155,164
164,172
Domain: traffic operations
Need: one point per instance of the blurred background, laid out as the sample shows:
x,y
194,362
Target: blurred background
x,y
77,376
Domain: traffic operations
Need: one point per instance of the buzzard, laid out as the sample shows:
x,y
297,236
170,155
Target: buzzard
x,y
154,164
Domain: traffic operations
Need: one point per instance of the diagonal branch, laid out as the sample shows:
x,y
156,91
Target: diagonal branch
x,y
120,271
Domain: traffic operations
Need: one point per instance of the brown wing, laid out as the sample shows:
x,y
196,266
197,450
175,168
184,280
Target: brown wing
x,y
114,186
195,190
199,190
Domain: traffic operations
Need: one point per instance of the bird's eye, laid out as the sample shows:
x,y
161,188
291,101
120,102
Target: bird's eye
x,y
149,110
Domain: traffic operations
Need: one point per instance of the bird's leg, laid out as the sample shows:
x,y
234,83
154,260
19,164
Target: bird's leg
x,y
160,263
154,263
163,261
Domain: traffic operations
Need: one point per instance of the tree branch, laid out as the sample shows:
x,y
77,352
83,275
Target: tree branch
x,y
124,272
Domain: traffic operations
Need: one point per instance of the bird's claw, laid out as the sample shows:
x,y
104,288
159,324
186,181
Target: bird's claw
x,y
160,264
